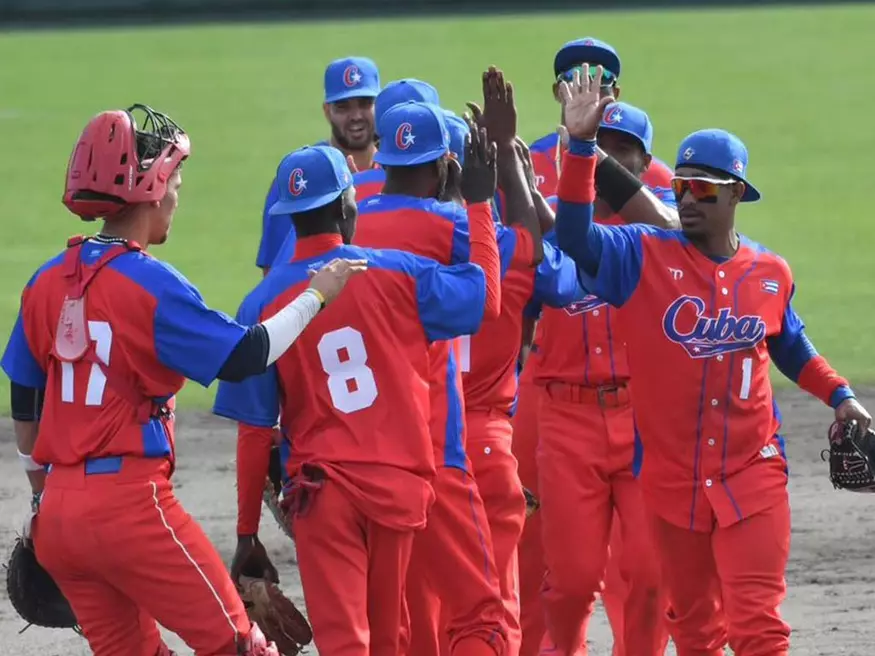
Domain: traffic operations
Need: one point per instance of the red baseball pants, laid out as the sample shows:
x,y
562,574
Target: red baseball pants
x,y
352,571
125,554
531,554
452,574
727,585
495,469
585,452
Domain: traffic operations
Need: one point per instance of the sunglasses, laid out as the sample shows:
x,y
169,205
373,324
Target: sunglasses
x,y
703,190
608,78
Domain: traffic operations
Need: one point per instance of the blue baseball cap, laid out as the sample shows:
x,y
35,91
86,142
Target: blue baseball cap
x,y
412,133
400,91
310,177
628,119
351,77
458,130
586,51
719,150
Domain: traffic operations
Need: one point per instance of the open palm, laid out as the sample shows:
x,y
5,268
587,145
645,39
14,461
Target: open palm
x,y
582,103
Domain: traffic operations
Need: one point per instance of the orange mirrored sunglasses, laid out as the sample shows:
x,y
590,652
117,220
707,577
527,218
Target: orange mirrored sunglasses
x,y
704,190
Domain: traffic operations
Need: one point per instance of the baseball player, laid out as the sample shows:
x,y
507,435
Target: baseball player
x,y
351,87
369,182
108,335
355,400
488,359
713,309
414,152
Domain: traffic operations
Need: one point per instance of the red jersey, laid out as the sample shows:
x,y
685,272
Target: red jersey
x,y
547,155
701,334
489,358
150,327
439,231
353,387
368,183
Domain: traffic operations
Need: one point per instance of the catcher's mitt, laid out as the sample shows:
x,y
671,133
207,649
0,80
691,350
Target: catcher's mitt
x,y
851,455
34,594
532,503
276,615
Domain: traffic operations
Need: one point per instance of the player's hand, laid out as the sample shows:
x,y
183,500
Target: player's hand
x,y
480,172
251,559
582,103
522,151
850,410
350,162
499,115
331,278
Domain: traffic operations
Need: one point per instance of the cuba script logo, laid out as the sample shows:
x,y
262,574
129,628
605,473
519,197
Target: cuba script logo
x,y
685,323
587,304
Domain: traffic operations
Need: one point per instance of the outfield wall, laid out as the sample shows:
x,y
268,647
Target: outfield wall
x,y
55,13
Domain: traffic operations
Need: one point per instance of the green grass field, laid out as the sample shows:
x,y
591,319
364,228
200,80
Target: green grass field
x,y
790,82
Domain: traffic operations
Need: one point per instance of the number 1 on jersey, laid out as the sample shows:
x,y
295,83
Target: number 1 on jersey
x,y
101,334
351,382
746,373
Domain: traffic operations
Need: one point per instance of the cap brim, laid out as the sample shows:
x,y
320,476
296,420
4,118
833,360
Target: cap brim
x,y
352,93
304,205
635,136
391,159
575,55
751,194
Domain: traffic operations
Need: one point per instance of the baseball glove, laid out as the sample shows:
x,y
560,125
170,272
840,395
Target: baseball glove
x,y
851,455
34,594
276,615
532,503
272,501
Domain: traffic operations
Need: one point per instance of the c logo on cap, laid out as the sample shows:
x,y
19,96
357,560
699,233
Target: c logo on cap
x,y
613,116
297,183
404,137
351,75
738,167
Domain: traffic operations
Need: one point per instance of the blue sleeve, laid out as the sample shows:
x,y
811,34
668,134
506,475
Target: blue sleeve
x,y
19,362
791,350
507,241
609,258
287,251
461,238
191,338
666,197
274,229
556,281
255,400
450,299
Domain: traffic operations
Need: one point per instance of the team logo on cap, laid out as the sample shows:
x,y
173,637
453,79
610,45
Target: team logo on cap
x,y
404,137
351,75
702,336
613,116
588,42
297,183
688,153
738,167
589,303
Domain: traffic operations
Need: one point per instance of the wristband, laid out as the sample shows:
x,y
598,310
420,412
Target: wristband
x,y
318,295
615,184
29,463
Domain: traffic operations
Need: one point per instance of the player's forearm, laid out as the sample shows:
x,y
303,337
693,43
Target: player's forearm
x,y
519,205
253,461
575,231
264,343
629,198
799,361
26,406
484,252
546,215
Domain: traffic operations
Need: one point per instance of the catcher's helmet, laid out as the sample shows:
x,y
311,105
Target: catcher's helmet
x,y
117,163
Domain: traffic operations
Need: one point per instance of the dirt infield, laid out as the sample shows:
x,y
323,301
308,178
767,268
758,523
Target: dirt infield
x,y
831,574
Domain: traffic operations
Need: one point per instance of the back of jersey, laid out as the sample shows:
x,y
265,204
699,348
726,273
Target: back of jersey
x,y
354,385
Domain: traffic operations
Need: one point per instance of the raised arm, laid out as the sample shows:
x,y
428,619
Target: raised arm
x,y
629,197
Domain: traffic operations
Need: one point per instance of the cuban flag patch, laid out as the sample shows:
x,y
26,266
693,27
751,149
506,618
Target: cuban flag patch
x,y
770,286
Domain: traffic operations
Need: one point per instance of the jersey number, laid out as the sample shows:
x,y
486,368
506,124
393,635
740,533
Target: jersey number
x,y
746,373
465,354
101,334
351,382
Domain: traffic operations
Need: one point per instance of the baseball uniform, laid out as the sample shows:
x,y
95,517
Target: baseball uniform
x,y
110,530
355,403
701,333
470,598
